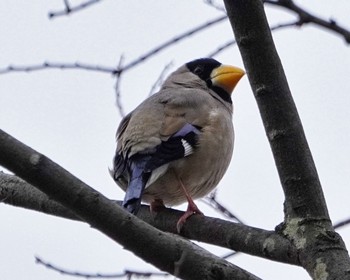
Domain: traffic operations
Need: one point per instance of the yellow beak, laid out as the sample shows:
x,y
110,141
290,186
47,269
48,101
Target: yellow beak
x,y
226,77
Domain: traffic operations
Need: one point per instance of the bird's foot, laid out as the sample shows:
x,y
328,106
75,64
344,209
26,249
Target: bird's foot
x,y
156,206
192,209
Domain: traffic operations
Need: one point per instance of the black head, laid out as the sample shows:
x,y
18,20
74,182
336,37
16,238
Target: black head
x,y
203,67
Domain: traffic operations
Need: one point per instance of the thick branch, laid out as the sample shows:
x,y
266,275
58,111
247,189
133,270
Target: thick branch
x,y
307,222
166,251
235,236
283,127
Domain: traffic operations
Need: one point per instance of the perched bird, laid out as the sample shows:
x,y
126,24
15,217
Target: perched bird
x,y
177,144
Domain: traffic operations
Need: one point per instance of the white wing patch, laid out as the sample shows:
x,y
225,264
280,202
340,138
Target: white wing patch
x,y
187,147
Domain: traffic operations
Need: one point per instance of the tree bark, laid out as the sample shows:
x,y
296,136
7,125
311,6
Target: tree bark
x,y
307,224
239,237
168,252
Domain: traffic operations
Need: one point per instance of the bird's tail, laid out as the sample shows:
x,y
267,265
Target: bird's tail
x,y
137,184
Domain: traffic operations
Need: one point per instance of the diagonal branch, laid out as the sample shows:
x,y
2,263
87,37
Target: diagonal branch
x,y
174,40
215,5
72,9
210,200
233,42
166,251
341,223
267,244
111,70
306,17
126,273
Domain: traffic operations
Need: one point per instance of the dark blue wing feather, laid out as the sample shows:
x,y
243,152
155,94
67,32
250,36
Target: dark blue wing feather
x,y
138,168
137,182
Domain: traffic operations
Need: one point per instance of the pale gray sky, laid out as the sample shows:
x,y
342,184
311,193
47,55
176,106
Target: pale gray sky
x,y
71,117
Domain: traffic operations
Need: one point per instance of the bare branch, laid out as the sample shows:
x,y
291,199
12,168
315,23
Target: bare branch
x,y
66,3
126,273
59,65
113,71
307,223
235,236
341,224
17,192
229,255
118,100
233,42
69,9
211,201
164,249
306,17
174,40
213,4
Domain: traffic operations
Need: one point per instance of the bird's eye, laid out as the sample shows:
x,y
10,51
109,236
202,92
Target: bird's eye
x,y
198,70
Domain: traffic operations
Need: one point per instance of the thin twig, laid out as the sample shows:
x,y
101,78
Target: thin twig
x,y
233,42
215,5
229,255
211,201
306,17
59,65
160,79
118,101
126,273
69,9
113,71
341,224
173,41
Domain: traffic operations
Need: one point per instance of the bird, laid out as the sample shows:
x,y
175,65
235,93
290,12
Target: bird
x,y
177,144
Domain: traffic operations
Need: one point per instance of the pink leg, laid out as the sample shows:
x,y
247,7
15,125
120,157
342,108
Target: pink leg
x,y
192,208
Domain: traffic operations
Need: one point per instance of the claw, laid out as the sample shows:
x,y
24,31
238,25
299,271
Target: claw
x,y
192,209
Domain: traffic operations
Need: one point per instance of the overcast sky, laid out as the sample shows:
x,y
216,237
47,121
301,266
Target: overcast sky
x,y
71,117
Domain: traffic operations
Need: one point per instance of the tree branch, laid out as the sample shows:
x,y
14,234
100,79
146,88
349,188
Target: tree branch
x,y
118,101
166,251
262,243
341,223
233,42
174,40
215,5
126,273
111,70
297,171
307,223
69,9
59,65
306,17
210,200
